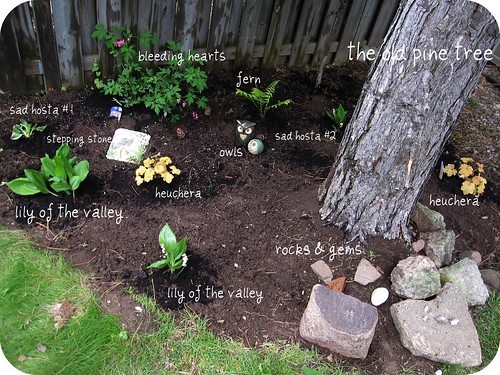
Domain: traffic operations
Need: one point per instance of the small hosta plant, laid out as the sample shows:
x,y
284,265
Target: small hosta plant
x,y
338,117
25,129
173,252
469,171
262,99
156,166
58,174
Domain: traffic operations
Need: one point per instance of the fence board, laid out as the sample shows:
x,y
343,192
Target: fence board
x,y
203,23
330,31
351,26
12,77
282,20
307,28
366,20
67,26
186,22
167,22
383,21
47,44
248,32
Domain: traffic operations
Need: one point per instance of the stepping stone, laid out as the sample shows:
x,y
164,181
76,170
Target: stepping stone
x,y
427,220
366,273
338,322
337,285
439,245
128,146
466,277
415,277
441,330
323,271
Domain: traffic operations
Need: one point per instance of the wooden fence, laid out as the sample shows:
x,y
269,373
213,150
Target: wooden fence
x,y
47,44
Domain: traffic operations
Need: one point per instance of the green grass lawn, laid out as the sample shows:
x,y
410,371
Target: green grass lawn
x,y
33,281
93,342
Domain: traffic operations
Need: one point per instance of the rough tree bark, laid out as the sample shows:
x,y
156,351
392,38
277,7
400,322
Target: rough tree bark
x,y
405,114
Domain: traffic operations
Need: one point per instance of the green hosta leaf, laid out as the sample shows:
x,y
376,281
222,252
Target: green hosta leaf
x,y
23,186
37,179
16,134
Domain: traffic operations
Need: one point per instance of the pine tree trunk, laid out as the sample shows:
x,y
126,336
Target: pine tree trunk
x,y
404,116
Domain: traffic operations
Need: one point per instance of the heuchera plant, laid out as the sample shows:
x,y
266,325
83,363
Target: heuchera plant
x,y
174,253
134,82
156,166
473,183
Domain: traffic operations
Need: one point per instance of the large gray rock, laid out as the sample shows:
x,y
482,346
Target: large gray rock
x,y
491,278
427,220
415,277
466,277
441,330
338,322
439,245
366,273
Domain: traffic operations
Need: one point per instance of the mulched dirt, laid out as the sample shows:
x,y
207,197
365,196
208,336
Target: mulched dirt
x,y
254,213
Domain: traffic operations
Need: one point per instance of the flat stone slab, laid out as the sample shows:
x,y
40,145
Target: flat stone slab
x,y
322,270
466,277
366,273
128,146
427,220
338,322
441,330
415,277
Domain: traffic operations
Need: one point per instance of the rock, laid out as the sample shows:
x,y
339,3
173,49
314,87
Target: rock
x,y
439,246
474,255
491,278
466,277
418,246
337,285
322,270
439,339
415,277
379,296
366,273
427,220
338,322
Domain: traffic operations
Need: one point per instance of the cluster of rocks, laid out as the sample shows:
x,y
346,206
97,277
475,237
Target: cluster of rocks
x,y
433,320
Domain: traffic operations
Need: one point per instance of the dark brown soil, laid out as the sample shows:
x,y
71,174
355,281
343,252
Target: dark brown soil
x,y
251,207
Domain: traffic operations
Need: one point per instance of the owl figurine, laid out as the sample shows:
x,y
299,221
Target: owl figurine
x,y
245,131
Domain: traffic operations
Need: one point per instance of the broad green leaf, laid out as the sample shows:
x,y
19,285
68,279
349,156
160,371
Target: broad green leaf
x,y
37,179
159,264
61,186
48,166
75,182
167,237
81,169
23,186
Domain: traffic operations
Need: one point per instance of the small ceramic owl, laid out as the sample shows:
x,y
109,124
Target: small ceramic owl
x,y
245,131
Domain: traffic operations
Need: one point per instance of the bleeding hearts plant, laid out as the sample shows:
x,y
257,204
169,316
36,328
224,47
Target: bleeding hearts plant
x,y
174,253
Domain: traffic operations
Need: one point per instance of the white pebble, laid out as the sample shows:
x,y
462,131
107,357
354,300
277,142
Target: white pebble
x,y
379,296
454,322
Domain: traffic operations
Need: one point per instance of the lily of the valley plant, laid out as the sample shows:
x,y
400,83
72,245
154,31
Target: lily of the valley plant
x,y
173,252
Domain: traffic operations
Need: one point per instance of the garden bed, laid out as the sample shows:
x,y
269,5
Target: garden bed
x,y
252,220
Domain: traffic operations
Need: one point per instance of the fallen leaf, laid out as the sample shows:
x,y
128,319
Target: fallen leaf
x,y
22,358
41,348
61,312
180,133
208,111
230,111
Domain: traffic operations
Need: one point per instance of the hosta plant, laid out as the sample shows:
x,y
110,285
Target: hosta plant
x,y
156,166
58,174
173,252
262,99
469,171
25,129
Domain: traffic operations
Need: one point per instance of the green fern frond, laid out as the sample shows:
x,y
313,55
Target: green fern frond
x,y
261,98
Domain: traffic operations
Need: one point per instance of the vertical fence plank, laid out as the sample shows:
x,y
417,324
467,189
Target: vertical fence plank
x,y
383,20
307,28
88,21
219,36
366,21
109,15
11,67
166,22
186,23
281,26
28,47
67,29
129,16
203,23
264,18
349,32
47,44
330,31
248,33
148,19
